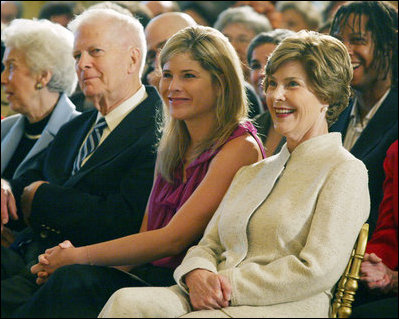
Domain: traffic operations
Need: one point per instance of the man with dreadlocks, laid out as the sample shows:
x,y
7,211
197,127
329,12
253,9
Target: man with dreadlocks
x,y
370,123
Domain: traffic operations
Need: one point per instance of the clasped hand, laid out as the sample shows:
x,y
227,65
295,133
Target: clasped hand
x,y
375,273
52,259
208,290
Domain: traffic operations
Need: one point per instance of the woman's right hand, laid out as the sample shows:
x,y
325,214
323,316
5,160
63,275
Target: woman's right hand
x,y
208,290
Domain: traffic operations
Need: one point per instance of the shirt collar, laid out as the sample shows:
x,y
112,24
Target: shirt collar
x,y
114,117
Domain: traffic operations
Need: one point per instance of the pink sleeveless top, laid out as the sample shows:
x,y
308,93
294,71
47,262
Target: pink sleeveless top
x,y
166,198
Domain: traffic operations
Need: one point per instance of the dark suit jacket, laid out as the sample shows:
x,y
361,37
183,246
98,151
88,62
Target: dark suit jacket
x,y
106,199
372,145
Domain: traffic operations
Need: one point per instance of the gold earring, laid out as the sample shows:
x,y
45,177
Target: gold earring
x,y
39,86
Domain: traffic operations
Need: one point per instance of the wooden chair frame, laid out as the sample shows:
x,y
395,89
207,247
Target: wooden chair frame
x,y
348,284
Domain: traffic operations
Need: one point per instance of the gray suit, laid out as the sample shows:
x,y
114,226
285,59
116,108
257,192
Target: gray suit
x,y
12,130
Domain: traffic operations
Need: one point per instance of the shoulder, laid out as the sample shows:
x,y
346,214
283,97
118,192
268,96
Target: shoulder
x,y
8,122
243,146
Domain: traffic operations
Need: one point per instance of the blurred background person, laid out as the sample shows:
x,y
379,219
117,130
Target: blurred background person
x,y
240,25
299,15
61,12
369,30
159,7
10,10
259,50
138,10
267,8
203,12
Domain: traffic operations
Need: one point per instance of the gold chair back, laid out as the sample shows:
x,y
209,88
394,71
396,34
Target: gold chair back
x,y
347,285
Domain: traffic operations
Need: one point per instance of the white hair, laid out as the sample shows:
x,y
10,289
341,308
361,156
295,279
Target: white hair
x,y
46,46
246,15
130,26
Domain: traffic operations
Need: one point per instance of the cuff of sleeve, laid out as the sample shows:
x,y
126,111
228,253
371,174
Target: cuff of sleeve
x,y
229,274
189,265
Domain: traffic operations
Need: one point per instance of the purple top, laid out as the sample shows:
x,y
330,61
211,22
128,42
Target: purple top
x,y
166,198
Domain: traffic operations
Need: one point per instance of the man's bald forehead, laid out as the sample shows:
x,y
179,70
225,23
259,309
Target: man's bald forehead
x,y
171,20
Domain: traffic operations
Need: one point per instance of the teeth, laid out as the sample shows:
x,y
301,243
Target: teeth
x,y
355,65
280,111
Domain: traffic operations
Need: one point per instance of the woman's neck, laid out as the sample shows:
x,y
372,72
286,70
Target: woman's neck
x,y
43,106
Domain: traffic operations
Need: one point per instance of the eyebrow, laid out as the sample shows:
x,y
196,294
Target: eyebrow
x,y
289,78
182,71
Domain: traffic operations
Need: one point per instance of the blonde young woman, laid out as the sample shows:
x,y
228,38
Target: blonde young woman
x,y
284,231
206,140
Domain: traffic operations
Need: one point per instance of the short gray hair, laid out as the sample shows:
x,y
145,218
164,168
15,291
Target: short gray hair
x,y
306,9
47,46
247,15
131,26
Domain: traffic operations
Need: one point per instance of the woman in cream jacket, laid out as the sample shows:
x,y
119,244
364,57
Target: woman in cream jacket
x,y
284,231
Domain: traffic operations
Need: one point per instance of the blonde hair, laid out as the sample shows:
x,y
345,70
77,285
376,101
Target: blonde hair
x,y
216,55
327,65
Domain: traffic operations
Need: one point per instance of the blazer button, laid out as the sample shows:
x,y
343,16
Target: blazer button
x,y
43,234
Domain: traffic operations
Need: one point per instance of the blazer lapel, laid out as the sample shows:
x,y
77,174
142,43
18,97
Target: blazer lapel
x,y
383,120
125,134
11,141
260,181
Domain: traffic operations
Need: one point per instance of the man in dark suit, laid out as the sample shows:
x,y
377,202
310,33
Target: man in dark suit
x,y
97,175
370,124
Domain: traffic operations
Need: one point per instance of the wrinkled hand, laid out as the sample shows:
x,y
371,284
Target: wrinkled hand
x,y
27,198
376,274
208,290
8,206
51,260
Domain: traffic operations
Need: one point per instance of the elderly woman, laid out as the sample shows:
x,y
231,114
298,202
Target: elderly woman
x,y
284,231
39,74
299,15
259,50
241,25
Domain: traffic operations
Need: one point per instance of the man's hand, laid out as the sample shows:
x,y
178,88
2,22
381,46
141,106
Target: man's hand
x,y
377,275
208,290
27,198
8,206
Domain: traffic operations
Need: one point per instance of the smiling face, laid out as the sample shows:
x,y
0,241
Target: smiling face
x,y
187,89
296,111
259,58
18,81
360,46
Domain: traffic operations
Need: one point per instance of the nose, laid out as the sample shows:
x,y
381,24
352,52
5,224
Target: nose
x,y
175,84
348,46
279,93
84,61
4,77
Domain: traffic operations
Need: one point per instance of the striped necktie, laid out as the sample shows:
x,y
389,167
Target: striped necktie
x,y
90,144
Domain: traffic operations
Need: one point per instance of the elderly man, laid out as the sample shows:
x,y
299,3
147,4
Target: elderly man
x,y
97,175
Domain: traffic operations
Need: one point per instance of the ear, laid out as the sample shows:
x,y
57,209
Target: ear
x,y
134,60
44,78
